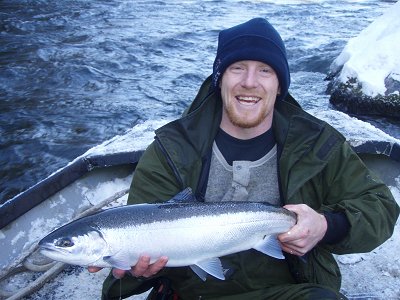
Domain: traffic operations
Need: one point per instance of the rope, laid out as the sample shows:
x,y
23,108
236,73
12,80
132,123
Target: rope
x,y
34,267
53,268
39,282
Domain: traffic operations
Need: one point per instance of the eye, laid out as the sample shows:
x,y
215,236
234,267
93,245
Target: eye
x,y
266,70
65,242
236,68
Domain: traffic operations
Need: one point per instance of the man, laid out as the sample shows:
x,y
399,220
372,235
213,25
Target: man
x,y
244,138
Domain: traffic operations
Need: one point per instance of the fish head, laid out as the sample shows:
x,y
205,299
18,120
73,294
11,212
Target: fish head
x,y
82,247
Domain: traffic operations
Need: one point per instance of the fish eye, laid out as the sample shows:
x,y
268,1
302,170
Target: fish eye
x,y
65,242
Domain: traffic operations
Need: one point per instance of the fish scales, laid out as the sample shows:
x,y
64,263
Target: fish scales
x,y
190,234
145,213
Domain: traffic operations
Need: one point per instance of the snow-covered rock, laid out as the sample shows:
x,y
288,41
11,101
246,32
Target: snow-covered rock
x,y
365,77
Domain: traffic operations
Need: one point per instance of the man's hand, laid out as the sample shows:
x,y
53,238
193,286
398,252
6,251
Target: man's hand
x,y
308,231
143,268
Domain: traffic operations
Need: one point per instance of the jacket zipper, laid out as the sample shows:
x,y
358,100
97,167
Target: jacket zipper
x,y
170,163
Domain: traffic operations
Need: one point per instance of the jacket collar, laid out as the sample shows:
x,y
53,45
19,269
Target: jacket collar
x,y
303,140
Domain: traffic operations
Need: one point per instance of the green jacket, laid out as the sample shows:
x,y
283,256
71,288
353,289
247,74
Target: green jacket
x,y
316,167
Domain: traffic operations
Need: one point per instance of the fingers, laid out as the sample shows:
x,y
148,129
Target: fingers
x,y
289,241
94,269
118,273
143,268
293,250
308,231
151,269
297,239
293,241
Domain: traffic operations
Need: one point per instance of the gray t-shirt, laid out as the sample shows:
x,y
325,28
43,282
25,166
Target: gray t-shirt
x,y
255,181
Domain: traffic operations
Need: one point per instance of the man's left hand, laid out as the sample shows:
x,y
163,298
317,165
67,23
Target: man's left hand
x,y
308,231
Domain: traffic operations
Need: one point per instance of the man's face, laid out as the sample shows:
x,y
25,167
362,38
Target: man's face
x,y
248,89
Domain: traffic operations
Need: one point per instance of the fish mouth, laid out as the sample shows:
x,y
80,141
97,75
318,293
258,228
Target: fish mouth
x,y
49,248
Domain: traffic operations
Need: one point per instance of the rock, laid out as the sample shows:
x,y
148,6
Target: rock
x,y
365,77
349,97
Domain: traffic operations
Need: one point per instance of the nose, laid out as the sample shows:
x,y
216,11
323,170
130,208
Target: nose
x,y
250,79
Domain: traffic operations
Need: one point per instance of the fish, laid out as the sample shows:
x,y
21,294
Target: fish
x,y
189,233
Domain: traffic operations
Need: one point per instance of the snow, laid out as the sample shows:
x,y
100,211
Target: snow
x,y
93,196
138,138
105,190
356,131
21,234
373,55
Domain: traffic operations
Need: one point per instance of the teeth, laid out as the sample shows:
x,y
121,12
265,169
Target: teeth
x,y
248,99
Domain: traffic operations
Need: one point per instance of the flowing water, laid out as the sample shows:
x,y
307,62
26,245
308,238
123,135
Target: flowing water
x,y
74,73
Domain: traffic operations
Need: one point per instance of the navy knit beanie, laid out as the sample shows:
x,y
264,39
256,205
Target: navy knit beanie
x,y
253,40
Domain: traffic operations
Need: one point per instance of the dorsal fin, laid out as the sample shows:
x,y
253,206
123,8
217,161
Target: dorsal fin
x,y
184,196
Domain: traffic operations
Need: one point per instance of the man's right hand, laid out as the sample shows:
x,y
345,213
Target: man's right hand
x,y
143,268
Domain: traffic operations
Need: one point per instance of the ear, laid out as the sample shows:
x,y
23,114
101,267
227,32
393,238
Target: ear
x,y
279,91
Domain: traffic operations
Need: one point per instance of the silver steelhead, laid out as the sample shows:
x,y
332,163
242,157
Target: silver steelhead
x,y
191,234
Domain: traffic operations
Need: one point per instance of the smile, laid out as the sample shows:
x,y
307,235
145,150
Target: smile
x,y
248,100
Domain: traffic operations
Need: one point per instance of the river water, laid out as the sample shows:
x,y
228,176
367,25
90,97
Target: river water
x,y
74,73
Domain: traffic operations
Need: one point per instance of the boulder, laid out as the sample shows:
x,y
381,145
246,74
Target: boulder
x,y
365,77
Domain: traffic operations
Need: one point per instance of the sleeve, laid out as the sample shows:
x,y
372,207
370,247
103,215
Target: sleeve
x,y
338,227
364,199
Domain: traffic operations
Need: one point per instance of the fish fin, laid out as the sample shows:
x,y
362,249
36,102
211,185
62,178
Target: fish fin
x,y
116,263
185,195
199,272
211,266
270,246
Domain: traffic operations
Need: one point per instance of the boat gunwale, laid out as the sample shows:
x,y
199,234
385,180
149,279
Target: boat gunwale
x,y
23,202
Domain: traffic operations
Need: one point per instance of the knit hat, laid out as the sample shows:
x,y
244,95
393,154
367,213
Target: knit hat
x,y
256,40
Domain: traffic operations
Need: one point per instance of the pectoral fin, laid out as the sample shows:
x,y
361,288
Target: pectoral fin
x,y
270,246
212,266
117,263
